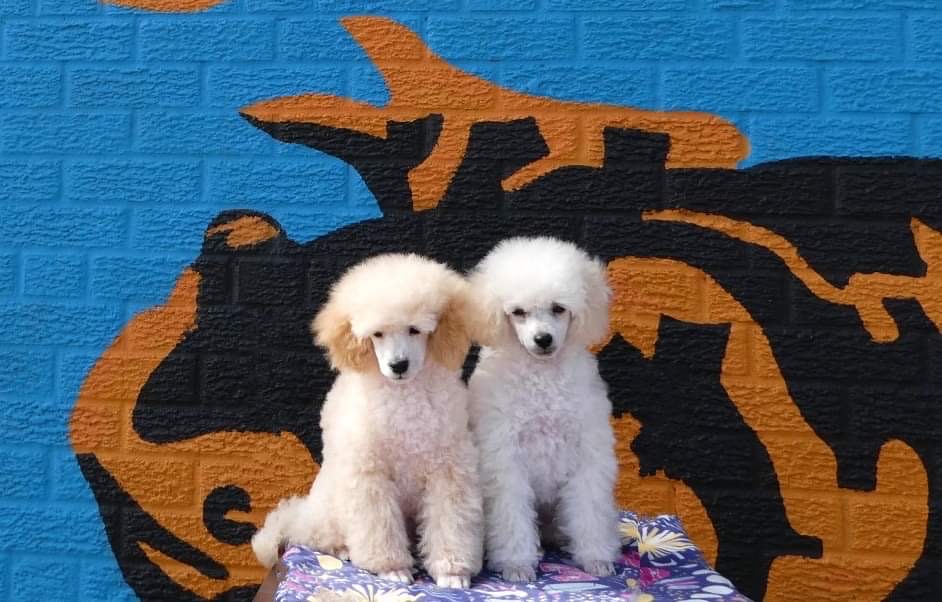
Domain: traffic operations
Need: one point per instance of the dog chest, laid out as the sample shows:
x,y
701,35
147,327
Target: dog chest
x,y
412,427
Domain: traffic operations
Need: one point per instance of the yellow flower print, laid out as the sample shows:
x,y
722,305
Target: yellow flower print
x,y
328,562
659,543
629,530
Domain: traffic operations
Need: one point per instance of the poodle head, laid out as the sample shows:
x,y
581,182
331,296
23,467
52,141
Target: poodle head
x,y
544,292
392,312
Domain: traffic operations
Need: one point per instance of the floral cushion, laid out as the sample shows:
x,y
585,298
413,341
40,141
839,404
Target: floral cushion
x,y
658,562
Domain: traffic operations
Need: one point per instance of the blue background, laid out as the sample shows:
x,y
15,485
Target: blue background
x,y
120,140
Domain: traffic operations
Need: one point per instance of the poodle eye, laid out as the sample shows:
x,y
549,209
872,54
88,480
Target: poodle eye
x,y
519,312
378,334
558,309
413,331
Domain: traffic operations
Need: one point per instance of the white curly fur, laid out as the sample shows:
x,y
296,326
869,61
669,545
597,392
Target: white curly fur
x,y
541,422
398,457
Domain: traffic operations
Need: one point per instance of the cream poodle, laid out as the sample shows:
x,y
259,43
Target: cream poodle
x,y
539,409
399,461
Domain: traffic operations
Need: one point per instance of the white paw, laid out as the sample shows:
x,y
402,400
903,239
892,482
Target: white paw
x,y
401,576
518,573
453,581
343,554
599,568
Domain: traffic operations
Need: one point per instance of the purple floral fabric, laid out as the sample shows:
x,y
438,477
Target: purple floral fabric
x,y
658,563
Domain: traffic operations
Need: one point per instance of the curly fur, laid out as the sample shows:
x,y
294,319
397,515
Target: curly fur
x,y
399,460
542,424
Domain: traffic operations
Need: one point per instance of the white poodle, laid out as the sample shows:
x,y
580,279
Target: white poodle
x,y
539,409
398,460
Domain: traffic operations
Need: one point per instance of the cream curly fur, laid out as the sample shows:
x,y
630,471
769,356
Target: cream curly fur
x,y
541,416
398,459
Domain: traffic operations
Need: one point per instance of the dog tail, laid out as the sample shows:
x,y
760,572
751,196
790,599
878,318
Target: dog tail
x,y
267,541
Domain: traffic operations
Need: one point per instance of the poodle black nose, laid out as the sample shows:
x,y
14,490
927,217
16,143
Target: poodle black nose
x,y
400,366
544,340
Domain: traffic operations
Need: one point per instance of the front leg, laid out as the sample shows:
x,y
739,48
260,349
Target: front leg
x,y
587,513
513,538
452,521
377,540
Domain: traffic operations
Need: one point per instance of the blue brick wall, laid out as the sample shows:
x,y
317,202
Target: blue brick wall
x,y
120,140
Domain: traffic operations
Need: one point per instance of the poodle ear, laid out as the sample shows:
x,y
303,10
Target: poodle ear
x,y
591,321
332,330
486,315
448,344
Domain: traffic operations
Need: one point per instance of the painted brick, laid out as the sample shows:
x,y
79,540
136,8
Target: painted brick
x,y
26,372
133,278
32,181
62,227
205,40
367,84
366,6
153,181
823,510
170,229
238,86
514,5
7,274
885,90
863,513
656,38
24,474
41,324
832,136
278,6
5,577
102,581
38,530
625,85
834,38
883,5
847,576
28,87
180,493
65,132
312,39
741,89
72,370
26,421
925,42
930,137
252,183
620,5
307,225
15,8
66,479
33,579
200,133
54,275
504,38
69,40
741,4
138,87
359,194
69,7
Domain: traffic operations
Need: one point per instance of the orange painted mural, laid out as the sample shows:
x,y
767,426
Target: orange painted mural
x,y
774,360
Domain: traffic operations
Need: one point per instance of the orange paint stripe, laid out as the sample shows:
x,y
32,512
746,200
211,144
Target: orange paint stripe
x,y
170,481
168,6
865,292
645,290
422,84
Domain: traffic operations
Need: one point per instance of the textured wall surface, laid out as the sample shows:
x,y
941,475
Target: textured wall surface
x,y
775,361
